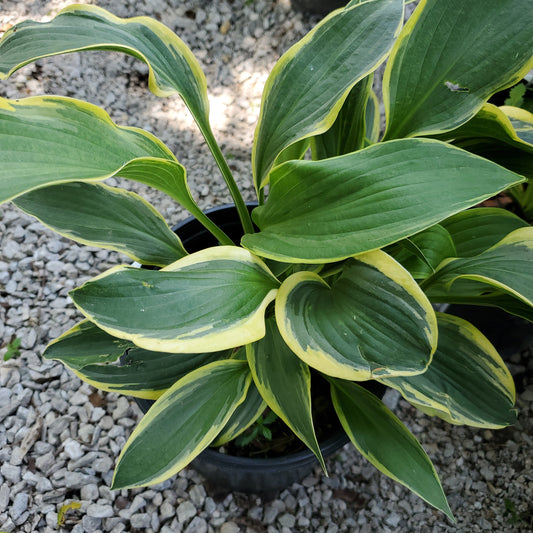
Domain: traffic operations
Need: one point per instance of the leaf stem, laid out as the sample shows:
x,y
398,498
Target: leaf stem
x,y
244,215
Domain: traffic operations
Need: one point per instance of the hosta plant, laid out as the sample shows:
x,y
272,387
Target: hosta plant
x,y
357,233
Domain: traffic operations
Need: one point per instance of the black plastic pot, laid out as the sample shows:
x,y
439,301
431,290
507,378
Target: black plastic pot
x,y
319,7
225,473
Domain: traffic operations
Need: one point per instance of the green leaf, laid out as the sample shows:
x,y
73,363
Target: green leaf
x,y
86,344
208,301
422,253
300,99
284,382
373,321
46,140
476,230
467,381
172,66
347,134
243,417
99,215
492,122
450,58
386,442
522,122
145,374
372,119
505,266
323,211
181,424
61,140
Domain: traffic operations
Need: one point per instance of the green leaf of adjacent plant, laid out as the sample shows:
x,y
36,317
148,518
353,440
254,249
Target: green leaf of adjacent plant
x,y
324,211
172,66
386,442
145,374
299,99
99,215
243,416
475,230
61,140
347,134
492,122
505,266
86,344
467,381
373,321
284,382
208,301
422,253
182,423
449,59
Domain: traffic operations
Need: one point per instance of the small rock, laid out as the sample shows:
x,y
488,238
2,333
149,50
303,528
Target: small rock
x,y
4,497
393,519
185,511
76,480
229,527
198,525
72,449
10,472
20,504
287,520
197,495
97,510
89,492
140,520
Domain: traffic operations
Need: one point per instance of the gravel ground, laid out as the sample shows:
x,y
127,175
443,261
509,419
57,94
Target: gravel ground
x,y
59,438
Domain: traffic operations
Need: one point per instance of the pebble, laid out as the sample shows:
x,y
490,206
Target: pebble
x,y
97,510
185,511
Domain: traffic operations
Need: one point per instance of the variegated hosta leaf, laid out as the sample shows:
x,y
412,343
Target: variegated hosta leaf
x,y
46,140
300,98
99,215
470,292
324,211
506,266
182,423
493,122
498,136
373,321
347,134
60,140
243,417
422,253
284,382
173,67
467,381
145,374
208,301
440,73
522,122
372,119
86,344
382,439
89,351
475,230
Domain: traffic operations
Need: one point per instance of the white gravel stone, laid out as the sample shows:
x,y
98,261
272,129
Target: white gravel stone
x,y
98,510
72,449
185,511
